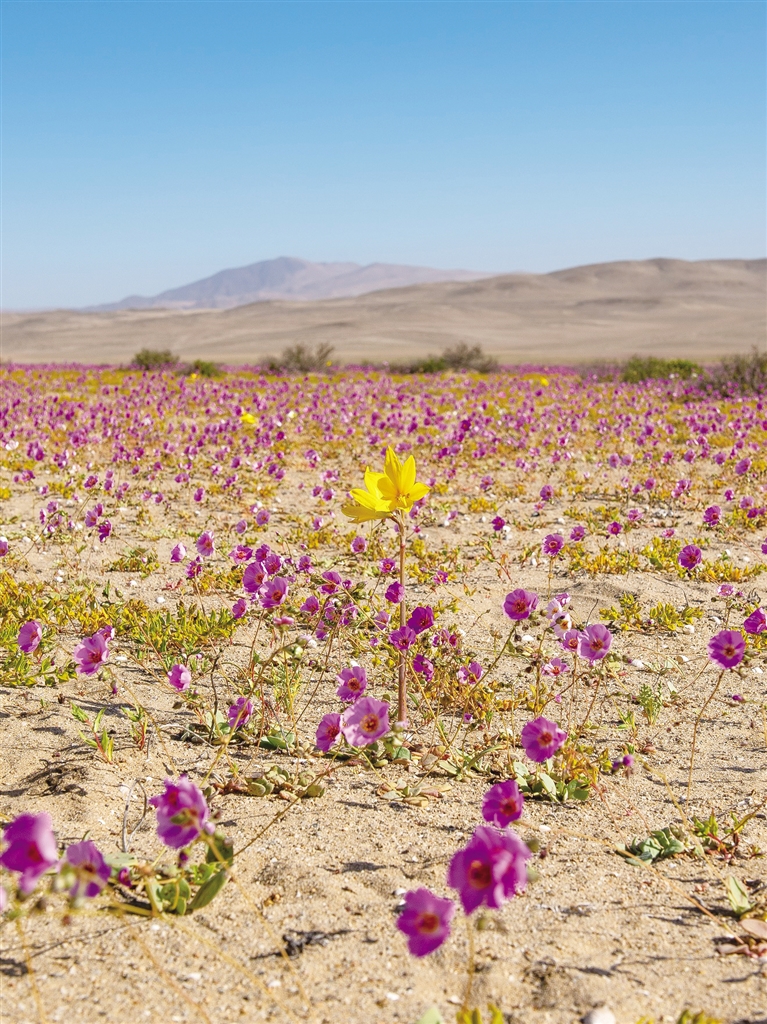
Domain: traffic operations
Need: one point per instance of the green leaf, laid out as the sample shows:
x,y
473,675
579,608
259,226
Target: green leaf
x,y
432,1016
737,895
79,714
549,785
220,850
209,891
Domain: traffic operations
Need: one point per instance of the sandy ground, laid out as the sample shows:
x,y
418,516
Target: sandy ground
x,y
593,930
609,311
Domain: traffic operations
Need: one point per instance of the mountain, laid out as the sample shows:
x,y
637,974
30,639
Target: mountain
x,y
698,310
288,279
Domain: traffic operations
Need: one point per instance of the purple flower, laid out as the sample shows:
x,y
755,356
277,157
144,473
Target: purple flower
x,y
553,544
756,622
194,568
205,544
31,848
402,639
541,739
498,524
520,603
180,678
743,467
725,590
241,554
273,592
577,533
727,648
272,562
387,565
421,619
178,553
358,545
570,640
425,919
239,713
614,528
422,665
105,530
90,869
181,813
90,654
489,869
199,494
241,527
634,515
594,642
3,547
328,732
555,667
239,608
353,683
253,577
712,515
30,635
690,556
547,492
471,673
366,721
503,803
262,517
395,593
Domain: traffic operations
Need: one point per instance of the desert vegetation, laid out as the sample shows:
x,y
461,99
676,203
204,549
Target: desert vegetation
x,y
383,696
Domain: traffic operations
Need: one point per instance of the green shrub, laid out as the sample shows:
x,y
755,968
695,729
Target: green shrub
x,y
154,359
640,368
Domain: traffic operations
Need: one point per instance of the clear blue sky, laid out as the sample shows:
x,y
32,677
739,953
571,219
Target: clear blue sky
x,y
146,144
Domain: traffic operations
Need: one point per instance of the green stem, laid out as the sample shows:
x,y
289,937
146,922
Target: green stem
x,y
402,688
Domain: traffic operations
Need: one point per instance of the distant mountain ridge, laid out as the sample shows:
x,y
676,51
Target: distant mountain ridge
x,y
288,279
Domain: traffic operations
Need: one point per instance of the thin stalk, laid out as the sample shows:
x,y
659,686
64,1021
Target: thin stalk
x,y
695,733
470,965
402,688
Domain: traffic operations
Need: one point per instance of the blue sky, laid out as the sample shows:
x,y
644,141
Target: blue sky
x,y
145,144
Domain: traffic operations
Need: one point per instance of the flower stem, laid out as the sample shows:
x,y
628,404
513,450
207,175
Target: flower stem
x,y
695,734
402,689
470,965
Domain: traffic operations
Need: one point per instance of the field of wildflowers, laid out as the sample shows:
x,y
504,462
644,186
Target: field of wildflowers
x,y
366,698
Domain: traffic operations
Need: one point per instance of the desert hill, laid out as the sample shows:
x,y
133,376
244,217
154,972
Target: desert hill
x,y
700,310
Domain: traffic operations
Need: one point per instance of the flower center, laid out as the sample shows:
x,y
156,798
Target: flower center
x,y
369,723
479,874
728,650
545,738
427,923
509,807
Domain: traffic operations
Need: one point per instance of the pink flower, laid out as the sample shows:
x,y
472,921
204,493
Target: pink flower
x,y
519,604
402,639
239,714
614,529
328,732
594,642
570,640
712,515
727,648
503,803
180,678
239,608
489,869
30,635
547,492
241,554
387,565
253,577
31,848
577,533
555,667
3,547
205,544
690,556
541,739
395,593
105,531
421,619
366,721
181,813
756,622
90,654
358,545
553,544
425,919
90,869
178,553
273,592
199,494
743,467
471,673
262,517
498,524
353,683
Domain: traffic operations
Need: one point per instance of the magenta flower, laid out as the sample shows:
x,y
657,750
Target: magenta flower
x,y
182,813
358,545
328,732
756,622
553,544
520,603
423,666
690,556
555,667
712,515
489,869
239,714
547,492
3,547
421,619
104,531
178,553
253,577
262,517
387,565
727,648
541,739
634,515
353,683
180,678
205,545
594,642
570,640
402,639
425,919
199,494
239,608
30,635
241,554
498,524
471,673
503,803
395,593
90,654
366,721
31,848
90,869
577,533
614,528
743,467
273,592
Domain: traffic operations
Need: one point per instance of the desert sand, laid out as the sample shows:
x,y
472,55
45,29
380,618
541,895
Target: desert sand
x,y
701,310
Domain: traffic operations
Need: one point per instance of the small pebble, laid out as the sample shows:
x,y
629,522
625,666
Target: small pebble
x,y
600,1015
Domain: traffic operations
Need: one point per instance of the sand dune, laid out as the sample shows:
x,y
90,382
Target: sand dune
x,y
700,310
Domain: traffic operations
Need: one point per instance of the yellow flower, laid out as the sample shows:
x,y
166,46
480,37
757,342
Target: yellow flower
x,y
386,492
249,418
